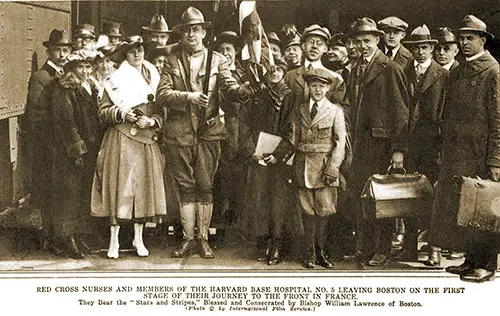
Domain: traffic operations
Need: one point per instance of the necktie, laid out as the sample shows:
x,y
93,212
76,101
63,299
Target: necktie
x,y
389,53
309,67
314,110
419,71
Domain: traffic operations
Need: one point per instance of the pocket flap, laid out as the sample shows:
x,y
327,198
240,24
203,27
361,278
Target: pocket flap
x,y
380,132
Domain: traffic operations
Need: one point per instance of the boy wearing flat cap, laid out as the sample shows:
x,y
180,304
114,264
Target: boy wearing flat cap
x,y
317,131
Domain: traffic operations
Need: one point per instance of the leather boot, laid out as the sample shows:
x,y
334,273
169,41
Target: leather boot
x,y
434,259
188,220
204,217
397,242
71,248
309,238
274,253
321,236
138,243
114,244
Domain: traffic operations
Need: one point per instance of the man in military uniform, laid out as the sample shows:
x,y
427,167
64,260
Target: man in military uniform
x,y
84,37
38,126
446,49
470,147
394,31
379,118
193,127
113,32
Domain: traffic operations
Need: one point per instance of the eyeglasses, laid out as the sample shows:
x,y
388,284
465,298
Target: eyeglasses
x,y
317,42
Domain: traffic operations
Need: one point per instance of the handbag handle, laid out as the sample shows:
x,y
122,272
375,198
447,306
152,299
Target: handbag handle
x,y
390,168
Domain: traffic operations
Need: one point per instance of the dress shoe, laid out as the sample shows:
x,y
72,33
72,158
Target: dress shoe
x,y
309,264
397,241
264,255
184,248
378,259
455,255
310,258
205,250
478,276
274,255
71,248
434,258
358,255
323,260
464,268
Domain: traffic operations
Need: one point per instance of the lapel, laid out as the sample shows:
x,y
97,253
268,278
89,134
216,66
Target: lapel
x,y
83,92
183,64
471,68
375,68
322,113
304,112
433,73
298,76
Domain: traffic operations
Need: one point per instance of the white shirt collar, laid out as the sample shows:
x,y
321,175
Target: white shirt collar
x,y
395,50
369,58
320,103
448,65
56,67
424,65
314,64
475,56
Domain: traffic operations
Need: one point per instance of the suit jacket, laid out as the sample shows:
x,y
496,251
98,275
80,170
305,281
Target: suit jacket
x,y
183,123
380,106
319,143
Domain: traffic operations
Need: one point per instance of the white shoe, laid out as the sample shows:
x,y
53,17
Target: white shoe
x,y
142,251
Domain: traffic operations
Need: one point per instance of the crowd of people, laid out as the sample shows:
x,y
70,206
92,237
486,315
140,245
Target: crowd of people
x,y
118,125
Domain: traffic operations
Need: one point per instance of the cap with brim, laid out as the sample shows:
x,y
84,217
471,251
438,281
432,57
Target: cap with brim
x,y
365,26
444,36
317,30
158,24
84,31
111,29
420,35
190,17
57,38
470,23
392,22
228,37
318,74
290,40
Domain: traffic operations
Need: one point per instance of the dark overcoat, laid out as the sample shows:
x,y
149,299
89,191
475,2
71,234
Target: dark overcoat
x,y
403,57
379,118
77,134
426,109
470,138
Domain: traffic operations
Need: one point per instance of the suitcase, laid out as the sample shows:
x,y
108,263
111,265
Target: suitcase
x,y
397,195
477,203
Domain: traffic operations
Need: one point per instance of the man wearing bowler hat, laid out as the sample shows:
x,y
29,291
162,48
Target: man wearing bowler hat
x,y
379,118
470,147
112,31
426,88
37,124
193,128
446,49
394,31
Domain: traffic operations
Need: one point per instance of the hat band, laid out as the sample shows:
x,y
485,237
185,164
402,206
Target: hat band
x,y
419,38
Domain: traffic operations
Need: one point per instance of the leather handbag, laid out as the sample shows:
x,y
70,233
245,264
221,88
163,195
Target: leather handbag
x,y
397,195
477,202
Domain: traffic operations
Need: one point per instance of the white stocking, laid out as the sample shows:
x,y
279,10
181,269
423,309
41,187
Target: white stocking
x,y
138,243
114,244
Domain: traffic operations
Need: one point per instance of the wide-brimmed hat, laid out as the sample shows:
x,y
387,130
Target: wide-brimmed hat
x,y
315,29
129,42
444,35
473,24
81,55
57,38
191,16
420,35
272,37
318,74
228,37
157,24
84,31
392,22
364,26
111,29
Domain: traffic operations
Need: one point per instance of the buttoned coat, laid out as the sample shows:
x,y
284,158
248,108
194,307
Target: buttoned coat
x,y
426,109
183,126
379,117
470,138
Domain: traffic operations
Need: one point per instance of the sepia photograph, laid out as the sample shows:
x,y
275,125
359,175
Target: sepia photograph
x,y
249,156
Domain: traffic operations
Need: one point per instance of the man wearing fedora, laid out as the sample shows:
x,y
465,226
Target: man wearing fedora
x,y
379,118
37,123
426,81
193,128
394,31
446,49
470,147
113,32
84,37
157,34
